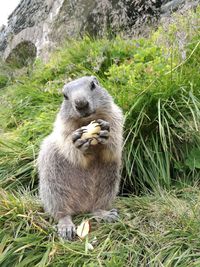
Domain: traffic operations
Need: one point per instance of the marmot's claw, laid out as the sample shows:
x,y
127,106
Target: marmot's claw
x,y
79,142
112,216
104,134
86,145
82,144
109,216
103,137
102,141
114,210
77,135
67,231
104,125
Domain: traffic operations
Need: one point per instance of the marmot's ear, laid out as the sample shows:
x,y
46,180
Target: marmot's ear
x,y
95,80
64,92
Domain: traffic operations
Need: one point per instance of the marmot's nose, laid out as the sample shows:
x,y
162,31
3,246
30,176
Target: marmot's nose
x,y
81,104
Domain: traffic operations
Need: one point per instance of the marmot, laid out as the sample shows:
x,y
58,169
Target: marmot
x,y
75,176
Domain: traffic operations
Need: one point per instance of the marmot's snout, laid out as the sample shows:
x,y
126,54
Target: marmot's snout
x,y
84,97
81,104
83,107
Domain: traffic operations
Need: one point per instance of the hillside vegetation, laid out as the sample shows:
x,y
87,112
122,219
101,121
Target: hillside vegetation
x,y
156,81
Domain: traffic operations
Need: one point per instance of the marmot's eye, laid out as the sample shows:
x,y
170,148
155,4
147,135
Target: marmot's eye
x,y
92,85
66,97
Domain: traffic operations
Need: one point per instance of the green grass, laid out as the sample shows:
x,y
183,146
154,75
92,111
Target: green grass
x,y
158,90
154,230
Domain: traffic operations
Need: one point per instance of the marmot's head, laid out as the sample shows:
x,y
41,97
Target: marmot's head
x,y
84,97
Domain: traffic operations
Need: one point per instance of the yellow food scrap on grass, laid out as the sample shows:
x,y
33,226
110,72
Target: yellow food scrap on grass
x,y
83,229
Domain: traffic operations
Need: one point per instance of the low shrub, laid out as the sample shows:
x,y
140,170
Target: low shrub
x,y
3,80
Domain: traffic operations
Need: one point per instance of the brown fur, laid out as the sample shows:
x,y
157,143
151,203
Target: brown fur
x,y
73,180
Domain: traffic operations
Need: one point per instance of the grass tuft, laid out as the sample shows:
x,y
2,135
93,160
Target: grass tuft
x,y
153,230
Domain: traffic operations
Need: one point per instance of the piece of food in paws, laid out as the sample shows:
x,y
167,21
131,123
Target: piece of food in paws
x,y
94,141
92,130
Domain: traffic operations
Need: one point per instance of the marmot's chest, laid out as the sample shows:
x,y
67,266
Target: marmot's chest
x,y
99,155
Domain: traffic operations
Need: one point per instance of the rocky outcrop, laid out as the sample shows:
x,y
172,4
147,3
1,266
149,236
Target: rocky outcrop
x,y
174,5
30,23
40,25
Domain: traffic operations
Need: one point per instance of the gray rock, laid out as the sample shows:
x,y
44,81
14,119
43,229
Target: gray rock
x,y
172,6
43,24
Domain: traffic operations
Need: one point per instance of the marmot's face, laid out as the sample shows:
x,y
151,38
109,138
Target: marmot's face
x,y
84,97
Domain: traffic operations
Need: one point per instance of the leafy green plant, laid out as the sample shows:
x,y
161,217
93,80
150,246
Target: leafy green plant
x,y
3,80
193,159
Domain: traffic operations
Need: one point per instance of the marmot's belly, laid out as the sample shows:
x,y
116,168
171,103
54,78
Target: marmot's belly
x,y
90,190
85,196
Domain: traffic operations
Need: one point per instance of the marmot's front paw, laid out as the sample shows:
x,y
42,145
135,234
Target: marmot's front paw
x,y
82,144
104,125
104,133
91,132
103,137
97,132
77,135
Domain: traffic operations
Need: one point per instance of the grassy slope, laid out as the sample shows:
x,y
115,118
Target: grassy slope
x,y
153,231
161,104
